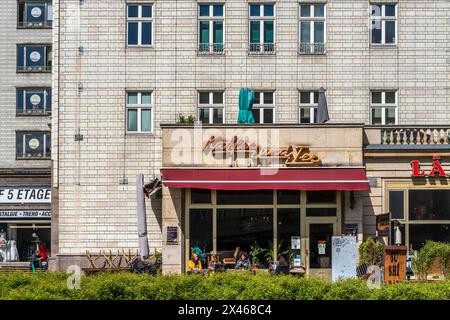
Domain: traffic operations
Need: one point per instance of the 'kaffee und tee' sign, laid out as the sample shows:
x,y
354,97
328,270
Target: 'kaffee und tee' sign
x,y
25,195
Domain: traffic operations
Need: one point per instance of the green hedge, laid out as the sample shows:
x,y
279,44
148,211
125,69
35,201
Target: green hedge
x,y
113,286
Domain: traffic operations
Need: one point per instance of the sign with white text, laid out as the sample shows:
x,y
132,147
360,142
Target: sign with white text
x,y
41,214
25,195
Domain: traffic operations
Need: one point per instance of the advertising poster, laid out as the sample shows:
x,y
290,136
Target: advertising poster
x,y
343,257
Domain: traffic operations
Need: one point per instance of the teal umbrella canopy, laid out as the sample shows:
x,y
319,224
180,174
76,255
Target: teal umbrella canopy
x,y
246,98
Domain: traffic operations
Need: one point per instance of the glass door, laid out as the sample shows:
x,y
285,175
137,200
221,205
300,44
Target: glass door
x,y
318,251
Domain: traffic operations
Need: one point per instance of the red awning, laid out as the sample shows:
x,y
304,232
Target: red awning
x,y
267,178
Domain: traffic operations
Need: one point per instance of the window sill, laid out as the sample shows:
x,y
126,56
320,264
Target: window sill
x,y
34,71
33,158
34,114
320,54
140,46
210,54
140,134
261,54
383,46
34,27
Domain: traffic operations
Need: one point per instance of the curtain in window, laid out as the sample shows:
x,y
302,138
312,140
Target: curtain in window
x,y
204,32
268,32
218,32
319,32
305,32
146,120
254,32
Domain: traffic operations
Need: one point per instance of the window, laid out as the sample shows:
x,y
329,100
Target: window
x,y
262,28
210,107
396,204
34,58
35,14
383,24
309,100
33,145
312,28
429,204
33,101
383,107
200,225
140,25
264,107
210,28
139,112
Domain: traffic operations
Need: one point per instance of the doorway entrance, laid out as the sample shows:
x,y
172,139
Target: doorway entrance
x,y
318,251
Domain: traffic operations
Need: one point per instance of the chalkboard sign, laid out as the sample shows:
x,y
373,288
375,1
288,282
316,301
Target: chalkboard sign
x,y
343,257
394,264
172,235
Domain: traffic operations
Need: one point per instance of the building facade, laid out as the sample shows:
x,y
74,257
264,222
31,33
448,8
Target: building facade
x,y
25,148
123,68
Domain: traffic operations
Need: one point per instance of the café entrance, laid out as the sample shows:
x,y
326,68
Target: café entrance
x,y
266,224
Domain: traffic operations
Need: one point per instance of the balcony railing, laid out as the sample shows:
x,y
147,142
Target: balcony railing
x,y
262,48
35,25
34,112
409,135
210,48
311,48
34,68
25,156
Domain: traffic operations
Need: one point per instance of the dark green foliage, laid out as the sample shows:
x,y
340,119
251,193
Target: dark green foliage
x,y
245,285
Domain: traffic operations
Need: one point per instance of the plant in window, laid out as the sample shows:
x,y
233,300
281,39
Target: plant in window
x,y
186,119
255,254
270,254
371,253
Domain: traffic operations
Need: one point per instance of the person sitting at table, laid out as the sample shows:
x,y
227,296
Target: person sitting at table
x,y
243,262
214,263
195,264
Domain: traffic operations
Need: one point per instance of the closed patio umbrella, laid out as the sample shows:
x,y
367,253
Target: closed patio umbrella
x,y
322,109
246,98
142,217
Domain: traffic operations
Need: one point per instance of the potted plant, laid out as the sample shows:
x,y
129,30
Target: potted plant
x,y
255,253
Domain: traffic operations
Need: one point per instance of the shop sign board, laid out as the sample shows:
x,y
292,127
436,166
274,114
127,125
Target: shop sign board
x,y
394,264
292,155
25,195
13,214
343,257
172,235
383,225
436,168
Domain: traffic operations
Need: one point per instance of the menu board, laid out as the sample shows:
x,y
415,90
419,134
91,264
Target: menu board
x,y
394,264
172,235
343,257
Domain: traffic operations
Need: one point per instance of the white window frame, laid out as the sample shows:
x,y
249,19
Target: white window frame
x,y
262,106
312,20
139,20
261,18
382,19
211,19
311,105
139,107
211,105
383,106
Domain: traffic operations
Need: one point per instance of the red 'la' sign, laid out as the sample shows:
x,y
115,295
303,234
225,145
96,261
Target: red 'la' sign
x,y
436,168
